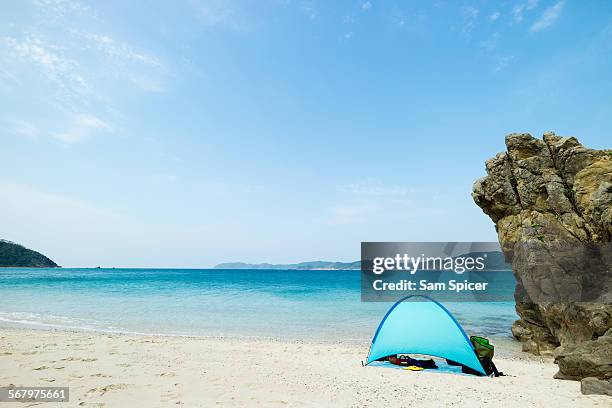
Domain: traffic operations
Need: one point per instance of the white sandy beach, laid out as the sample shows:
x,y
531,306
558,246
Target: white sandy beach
x,y
118,370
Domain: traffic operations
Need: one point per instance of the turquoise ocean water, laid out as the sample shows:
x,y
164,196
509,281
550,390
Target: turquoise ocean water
x,y
295,305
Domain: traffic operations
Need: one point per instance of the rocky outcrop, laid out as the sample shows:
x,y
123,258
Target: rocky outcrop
x,y
592,358
551,202
592,385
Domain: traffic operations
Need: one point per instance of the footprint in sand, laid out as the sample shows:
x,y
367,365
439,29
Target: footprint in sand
x,y
124,365
40,368
85,360
29,353
59,368
111,387
100,375
92,404
169,396
167,374
47,379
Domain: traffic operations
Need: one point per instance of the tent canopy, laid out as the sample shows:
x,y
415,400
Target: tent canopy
x,y
422,327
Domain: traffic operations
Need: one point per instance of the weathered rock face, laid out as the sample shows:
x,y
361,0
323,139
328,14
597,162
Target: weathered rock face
x,y
551,202
592,358
592,385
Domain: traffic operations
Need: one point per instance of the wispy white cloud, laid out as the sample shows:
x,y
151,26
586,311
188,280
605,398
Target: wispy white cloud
x,y
62,8
120,50
140,68
73,78
82,127
147,84
220,14
78,128
490,44
104,50
9,80
494,16
416,22
517,13
469,14
366,6
21,128
502,62
519,9
348,21
73,66
548,17
308,8
54,65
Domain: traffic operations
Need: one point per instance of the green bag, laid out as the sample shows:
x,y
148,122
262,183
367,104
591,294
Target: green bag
x,y
482,347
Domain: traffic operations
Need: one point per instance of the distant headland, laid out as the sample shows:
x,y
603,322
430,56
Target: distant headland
x,y
495,261
15,255
312,265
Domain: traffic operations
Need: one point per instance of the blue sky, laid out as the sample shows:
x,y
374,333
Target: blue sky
x,y
189,133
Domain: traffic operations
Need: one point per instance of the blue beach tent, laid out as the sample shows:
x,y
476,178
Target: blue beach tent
x,y
422,327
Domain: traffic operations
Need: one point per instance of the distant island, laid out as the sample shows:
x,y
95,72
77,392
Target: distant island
x,y
495,261
312,265
15,255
